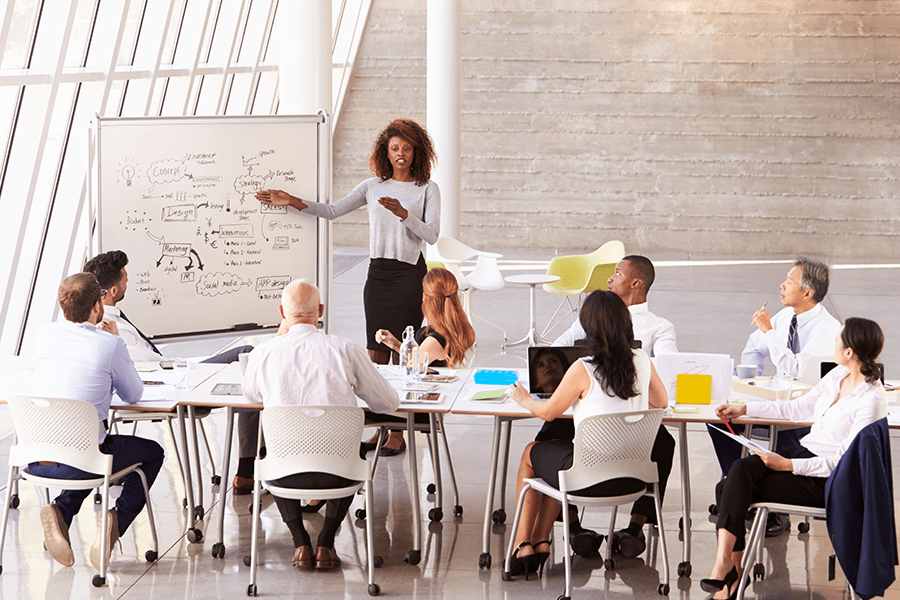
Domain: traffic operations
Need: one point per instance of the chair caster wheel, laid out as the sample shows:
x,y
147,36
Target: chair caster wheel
x,y
681,523
499,516
609,564
564,598
713,510
484,560
361,514
246,560
98,499
216,479
218,550
413,557
431,488
684,569
435,514
194,535
98,581
151,556
374,590
505,576
803,527
14,501
251,590
663,589
378,561
457,511
759,571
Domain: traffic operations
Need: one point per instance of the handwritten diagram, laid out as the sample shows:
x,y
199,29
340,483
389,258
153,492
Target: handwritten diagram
x,y
179,199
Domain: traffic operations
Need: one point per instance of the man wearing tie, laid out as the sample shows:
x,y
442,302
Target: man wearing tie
x,y
109,268
796,334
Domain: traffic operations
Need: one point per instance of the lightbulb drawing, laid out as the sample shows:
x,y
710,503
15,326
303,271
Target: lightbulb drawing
x,y
128,174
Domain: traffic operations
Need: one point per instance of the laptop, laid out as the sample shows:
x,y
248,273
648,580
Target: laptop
x,y
548,364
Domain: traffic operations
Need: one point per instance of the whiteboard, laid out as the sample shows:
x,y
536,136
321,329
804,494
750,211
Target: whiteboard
x,y
177,194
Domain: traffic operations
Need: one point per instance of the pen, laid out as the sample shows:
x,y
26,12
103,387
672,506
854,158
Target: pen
x,y
763,307
154,383
728,425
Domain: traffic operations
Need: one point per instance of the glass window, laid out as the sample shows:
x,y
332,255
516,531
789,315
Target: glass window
x,y
18,45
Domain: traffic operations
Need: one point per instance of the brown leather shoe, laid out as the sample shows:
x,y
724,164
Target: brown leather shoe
x,y
304,557
242,485
327,558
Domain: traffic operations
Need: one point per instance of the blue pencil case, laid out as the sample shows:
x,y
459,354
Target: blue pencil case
x,y
495,377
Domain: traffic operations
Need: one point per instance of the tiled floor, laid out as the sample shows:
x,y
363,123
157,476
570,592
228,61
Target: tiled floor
x,y
710,306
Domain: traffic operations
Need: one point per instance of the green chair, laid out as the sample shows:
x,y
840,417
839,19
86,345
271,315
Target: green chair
x,y
580,274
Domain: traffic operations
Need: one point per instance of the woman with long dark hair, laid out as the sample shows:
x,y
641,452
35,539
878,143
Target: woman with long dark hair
x,y
614,378
845,401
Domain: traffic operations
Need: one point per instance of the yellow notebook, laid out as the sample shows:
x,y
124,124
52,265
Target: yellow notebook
x,y
693,389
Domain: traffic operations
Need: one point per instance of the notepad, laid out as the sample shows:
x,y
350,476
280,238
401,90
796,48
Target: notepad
x,y
693,389
490,395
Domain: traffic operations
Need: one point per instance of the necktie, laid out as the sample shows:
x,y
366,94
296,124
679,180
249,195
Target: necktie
x,y
793,342
151,344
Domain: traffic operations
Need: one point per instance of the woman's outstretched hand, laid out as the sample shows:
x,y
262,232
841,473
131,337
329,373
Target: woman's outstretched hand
x,y
383,336
518,393
393,205
279,198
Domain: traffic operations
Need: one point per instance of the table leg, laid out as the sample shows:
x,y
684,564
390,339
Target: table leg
x,y
218,549
684,568
484,561
437,513
533,337
195,448
415,555
193,534
507,432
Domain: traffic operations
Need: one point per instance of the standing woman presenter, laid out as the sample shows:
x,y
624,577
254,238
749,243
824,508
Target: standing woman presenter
x,y
404,213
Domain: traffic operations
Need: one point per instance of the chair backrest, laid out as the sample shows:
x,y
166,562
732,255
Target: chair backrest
x,y
573,271
487,275
611,252
453,249
303,439
600,275
612,446
57,430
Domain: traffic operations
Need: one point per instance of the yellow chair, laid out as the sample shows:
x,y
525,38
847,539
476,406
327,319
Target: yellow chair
x,y
582,273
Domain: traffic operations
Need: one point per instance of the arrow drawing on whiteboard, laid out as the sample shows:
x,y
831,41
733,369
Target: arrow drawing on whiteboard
x,y
191,258
158,240
206,204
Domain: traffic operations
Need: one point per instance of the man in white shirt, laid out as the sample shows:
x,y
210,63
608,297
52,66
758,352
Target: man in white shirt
x,y
303,366
76,359
631,282
800,331
109,268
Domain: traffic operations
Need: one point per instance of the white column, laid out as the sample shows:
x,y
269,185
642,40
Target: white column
x,y
304,56
443,105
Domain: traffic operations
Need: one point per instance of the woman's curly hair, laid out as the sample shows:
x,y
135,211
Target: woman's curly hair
x,y
424,157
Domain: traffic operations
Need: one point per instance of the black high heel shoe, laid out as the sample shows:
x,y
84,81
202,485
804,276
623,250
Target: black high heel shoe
x,y
538,559
521,565
716,585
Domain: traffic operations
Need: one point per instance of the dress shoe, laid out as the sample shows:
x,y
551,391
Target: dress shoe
x,y
327,558
304,557
56,535
777,523
586,543
630,541
242,485
520,564
385,451
312,508
112,536
715,585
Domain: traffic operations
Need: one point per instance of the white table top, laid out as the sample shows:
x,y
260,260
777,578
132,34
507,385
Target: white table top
x,y
531,279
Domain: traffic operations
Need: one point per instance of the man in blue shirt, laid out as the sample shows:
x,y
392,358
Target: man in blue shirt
x,y
77,359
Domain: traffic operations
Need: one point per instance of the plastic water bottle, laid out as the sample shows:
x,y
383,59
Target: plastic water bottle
x,y
409,356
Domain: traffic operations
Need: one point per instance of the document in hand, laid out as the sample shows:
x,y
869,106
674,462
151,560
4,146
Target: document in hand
x,y
743,441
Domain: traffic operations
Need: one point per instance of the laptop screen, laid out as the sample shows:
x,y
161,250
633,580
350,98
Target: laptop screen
x,y
827,366
548,364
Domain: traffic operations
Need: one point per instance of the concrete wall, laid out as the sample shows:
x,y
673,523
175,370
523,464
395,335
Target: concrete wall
x,y
762,127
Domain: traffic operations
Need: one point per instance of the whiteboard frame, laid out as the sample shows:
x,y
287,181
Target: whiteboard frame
x,y
323,192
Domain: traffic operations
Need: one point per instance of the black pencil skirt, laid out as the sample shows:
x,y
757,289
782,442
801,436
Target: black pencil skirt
x,y
392,298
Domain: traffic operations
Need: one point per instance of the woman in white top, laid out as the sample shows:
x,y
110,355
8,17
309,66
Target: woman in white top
x,y
616,378
845,401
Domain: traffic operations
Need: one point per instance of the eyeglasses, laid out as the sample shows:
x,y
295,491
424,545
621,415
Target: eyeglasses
x,y
103,292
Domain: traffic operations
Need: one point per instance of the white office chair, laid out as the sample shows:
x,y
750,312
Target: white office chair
x,y
65,431
486,276
322,439
606,447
